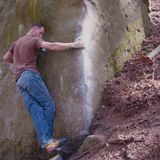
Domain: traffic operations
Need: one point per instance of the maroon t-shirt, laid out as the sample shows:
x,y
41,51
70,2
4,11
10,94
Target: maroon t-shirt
x,y
24,53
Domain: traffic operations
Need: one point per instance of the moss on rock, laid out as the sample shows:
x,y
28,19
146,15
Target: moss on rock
x,y
128,46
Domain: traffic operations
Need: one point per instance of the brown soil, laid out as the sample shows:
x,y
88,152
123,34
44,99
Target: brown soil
x,y
129,117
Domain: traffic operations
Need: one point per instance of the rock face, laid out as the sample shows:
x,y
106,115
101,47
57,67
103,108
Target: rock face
x,y
111,31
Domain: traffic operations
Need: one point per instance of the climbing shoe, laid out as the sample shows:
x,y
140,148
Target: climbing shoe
x,y
55,144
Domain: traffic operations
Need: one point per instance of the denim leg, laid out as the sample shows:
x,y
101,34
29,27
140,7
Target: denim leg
x,y
39,103
37,116
39,91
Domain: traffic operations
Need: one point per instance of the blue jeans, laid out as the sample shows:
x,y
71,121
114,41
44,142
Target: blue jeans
x,y
39,105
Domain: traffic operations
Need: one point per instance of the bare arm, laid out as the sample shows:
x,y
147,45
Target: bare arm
x,y
58,46
8,57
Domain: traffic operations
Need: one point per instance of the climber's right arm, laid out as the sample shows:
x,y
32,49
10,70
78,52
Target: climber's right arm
x,y
58,46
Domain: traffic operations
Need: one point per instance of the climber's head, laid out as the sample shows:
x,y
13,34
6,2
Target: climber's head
x,y
37,30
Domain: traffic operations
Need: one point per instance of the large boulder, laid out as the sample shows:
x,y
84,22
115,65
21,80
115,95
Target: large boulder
x,y
111,30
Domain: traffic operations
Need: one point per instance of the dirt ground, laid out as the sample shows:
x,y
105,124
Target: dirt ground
x,y
129,116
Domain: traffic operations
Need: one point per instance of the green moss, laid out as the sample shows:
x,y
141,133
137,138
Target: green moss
x,y
32,9
128,46
113,62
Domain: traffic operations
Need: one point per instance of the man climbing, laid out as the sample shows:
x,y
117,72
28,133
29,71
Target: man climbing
x,y
23,55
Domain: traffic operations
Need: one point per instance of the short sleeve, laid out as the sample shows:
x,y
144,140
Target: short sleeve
x,y
11,49
38,42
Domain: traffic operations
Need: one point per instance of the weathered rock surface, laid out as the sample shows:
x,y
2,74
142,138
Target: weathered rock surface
x,y
112,32
129,118
90,142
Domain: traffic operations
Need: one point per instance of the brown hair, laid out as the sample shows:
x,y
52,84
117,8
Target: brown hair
x,y
38,25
